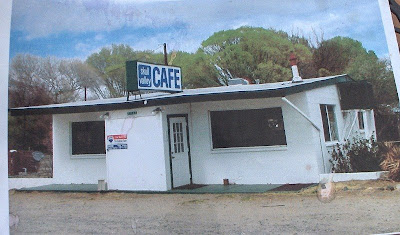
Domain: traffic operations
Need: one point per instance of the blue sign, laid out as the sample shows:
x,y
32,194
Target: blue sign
x,y
145,76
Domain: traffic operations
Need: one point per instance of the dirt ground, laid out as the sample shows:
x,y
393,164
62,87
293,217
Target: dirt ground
x,y
358,208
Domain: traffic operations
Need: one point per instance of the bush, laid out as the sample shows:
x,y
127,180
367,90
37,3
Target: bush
x,y
357,155
391,162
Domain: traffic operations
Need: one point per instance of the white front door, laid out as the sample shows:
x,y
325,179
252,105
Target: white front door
x,y
180,162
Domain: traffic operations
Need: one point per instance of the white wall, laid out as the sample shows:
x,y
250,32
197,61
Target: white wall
x,y
351,127
142,165
326,95
69,169
5,20
294,163
145,165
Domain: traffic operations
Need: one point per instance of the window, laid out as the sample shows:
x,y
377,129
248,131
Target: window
x,y
88,138
177,131
247,128
329,122
360,120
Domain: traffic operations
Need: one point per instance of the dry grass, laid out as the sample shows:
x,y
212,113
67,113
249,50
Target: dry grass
x,y
391,162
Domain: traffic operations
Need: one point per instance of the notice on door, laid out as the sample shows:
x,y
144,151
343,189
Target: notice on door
x,y
117,142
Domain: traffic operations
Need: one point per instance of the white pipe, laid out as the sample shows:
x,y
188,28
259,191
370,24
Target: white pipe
x,y
301,112
296,75
313,124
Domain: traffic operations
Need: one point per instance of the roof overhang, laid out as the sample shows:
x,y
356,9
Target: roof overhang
x,y
180,98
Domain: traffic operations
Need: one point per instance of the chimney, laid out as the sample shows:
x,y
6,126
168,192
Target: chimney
x,y
295,70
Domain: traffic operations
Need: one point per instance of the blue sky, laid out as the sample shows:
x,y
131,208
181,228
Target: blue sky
x,y
77,28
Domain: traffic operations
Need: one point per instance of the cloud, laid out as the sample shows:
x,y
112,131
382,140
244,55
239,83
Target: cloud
x,y
99,37
184,23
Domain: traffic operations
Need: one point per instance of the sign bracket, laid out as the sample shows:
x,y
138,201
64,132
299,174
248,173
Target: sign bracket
x,y
135,93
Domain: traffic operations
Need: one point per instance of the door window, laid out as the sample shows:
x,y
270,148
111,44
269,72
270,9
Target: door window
x,y
177,131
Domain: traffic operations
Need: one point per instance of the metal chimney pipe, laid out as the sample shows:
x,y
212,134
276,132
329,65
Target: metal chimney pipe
x,y
295,70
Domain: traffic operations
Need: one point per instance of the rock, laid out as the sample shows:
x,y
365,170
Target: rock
x,y
345,188
391,188
398,186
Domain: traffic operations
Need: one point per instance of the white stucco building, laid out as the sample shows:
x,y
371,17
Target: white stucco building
x,y
250,134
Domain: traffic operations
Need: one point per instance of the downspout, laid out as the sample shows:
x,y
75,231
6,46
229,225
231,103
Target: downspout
x,y
312,123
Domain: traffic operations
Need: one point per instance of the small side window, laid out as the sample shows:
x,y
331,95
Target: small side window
x,y
361,125
329,122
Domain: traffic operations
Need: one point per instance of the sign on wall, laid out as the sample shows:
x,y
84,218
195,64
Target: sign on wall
x,y
145,76
117,142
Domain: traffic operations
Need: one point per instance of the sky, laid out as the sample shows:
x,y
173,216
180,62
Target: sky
x,y
78,28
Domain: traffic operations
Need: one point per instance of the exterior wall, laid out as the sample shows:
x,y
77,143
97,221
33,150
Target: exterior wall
x,y
294,163
142,165
326,95
145,165
351,127
69,169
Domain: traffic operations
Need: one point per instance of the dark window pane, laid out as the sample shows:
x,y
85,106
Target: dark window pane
x,y
329,122
325,122
247,128
360,120
88,138
332,122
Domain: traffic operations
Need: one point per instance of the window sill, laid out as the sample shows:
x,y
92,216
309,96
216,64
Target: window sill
x,y
88,156
250,149
331,143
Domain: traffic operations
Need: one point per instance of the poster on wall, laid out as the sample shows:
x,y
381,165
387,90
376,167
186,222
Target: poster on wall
x,y
115,142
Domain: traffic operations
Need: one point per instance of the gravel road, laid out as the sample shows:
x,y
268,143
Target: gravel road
x,y
355,210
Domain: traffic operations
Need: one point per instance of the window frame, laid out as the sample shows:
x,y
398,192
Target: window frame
x,y
244,149
85,155
329,123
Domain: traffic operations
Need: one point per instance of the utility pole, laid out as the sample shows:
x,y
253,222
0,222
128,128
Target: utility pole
x,y
165,54
85,93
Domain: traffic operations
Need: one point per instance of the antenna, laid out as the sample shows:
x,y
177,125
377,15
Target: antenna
x,y
165,54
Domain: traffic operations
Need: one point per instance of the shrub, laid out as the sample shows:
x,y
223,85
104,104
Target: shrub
x,y
357,155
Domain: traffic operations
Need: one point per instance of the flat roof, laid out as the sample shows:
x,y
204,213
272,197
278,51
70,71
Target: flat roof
x,y
252,91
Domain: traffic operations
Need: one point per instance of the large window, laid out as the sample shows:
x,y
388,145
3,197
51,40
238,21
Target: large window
x,y
329,122
247,128
88,138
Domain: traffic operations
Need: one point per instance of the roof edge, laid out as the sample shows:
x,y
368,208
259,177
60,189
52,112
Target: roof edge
x,y
155,101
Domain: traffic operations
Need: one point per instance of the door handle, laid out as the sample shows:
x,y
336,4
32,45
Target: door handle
x,y
172,157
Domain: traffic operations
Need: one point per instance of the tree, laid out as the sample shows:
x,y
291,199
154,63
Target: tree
x,y
39,81
109,63
28,132
197,70
255,53
336,54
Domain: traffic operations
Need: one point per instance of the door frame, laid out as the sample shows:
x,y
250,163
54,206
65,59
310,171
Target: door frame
x,y
188,146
